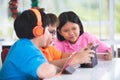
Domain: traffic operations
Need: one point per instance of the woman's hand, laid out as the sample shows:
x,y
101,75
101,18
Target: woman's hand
x,y
108,55
104,56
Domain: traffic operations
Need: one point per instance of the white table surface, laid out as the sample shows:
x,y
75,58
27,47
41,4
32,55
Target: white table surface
x,y
104,70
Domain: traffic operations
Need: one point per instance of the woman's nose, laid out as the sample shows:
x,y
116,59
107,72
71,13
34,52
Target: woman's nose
x,y
71,32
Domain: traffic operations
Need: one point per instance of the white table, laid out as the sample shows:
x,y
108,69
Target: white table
x,y
104,70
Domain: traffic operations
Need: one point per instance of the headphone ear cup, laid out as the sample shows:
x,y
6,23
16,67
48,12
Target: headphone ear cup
x,y
37,31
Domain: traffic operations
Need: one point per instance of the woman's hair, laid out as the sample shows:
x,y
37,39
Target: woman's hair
x,y
53,19
65,17
26,21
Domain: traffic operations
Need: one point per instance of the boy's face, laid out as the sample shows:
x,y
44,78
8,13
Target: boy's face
x,y
52,30
47,37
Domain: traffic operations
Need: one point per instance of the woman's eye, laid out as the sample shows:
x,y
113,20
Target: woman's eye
x,y
74,28
65,30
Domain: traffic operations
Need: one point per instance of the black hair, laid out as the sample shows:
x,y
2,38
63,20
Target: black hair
x,y
26,21
64,18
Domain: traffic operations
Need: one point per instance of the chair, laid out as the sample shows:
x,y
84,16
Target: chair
x,y
4,52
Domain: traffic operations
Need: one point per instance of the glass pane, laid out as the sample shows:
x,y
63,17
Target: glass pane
x,y
94,15
117,19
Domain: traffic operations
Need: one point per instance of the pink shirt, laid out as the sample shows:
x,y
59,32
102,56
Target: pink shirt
x,y
82,41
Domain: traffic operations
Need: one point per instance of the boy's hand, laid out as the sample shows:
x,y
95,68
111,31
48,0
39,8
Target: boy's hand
x,y
84,55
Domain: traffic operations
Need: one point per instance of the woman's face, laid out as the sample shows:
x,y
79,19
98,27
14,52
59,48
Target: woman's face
x,y
70,31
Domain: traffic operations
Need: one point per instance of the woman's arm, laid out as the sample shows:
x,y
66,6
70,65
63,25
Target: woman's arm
x,y
105,56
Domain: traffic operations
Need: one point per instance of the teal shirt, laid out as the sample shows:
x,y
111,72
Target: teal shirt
x,y
22,61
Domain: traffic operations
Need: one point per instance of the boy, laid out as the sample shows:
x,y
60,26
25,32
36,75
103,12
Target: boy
x,y
24,61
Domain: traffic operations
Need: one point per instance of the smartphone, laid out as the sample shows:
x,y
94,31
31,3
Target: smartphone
x,y
94,47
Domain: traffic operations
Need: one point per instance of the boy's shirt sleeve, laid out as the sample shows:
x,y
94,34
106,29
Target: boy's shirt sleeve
x,y
55,54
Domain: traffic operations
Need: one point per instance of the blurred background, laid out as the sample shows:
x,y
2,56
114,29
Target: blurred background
x,y
99,17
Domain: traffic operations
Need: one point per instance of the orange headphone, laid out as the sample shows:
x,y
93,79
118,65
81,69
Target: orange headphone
x,y
38,29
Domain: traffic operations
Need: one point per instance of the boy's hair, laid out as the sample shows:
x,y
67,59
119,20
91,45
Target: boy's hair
x,y
53,19
26,21
65,17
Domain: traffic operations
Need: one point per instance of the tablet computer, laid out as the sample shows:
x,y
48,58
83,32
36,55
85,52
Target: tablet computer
x,y
67,69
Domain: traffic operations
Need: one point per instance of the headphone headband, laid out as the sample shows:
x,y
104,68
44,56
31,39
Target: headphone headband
x,y
38,16
37,30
